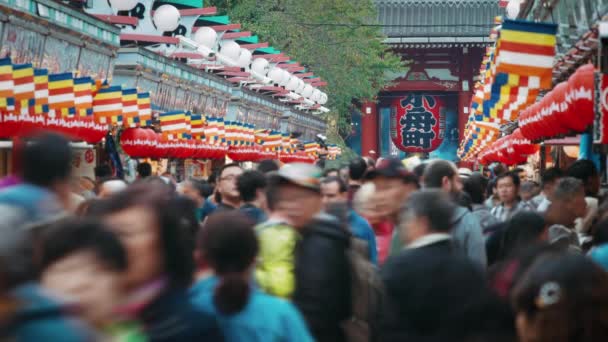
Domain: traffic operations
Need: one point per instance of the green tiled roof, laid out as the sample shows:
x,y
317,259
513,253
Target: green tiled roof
x,y
437,18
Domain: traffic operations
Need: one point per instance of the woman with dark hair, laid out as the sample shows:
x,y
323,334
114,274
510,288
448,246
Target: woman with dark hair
x,y
525,228
229,245
562,297
157,238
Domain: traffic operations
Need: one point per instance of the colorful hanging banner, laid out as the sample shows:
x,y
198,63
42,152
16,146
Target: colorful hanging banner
x,y
130,109
41,82
61,95
83,92
144,107
107,105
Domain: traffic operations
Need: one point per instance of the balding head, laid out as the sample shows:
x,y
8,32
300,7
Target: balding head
x,y
442,174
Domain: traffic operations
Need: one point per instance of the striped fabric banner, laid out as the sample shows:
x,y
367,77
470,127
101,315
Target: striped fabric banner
x,y
41,82
107,105
528,49
197,126
144,107
83,92
61,95
130,109
221,131
7,86
25,89
173,124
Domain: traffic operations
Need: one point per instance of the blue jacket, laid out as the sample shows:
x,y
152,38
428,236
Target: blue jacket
x,y
362,230
264,319
36,202
256,214
41,318
207,209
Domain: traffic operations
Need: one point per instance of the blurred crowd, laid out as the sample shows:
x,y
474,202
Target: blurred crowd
x,y
375,251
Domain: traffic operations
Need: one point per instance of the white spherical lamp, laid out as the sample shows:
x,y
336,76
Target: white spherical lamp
x,y
123,5
244,58
307,92
301,86
323,99
166,18
276,75
206,36
286,77
316,95
513,8
231,49
260,66
293,83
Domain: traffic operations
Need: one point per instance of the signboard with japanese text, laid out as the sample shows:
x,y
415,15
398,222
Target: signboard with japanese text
x,y
418,122
600,125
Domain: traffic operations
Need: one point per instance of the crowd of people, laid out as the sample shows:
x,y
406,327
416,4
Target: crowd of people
x,y
370,252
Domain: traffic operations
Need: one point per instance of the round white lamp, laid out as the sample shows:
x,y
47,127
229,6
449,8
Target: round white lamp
x,y
276,75
166,18
286,77
231,49
307,92
293,83
260,66
323,99
513,8
123,5
316,95
244,58
206,36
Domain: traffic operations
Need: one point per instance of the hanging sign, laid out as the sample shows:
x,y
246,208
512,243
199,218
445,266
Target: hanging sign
x,y
418,122
600,125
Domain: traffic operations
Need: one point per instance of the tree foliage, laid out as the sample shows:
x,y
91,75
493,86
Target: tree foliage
x,y
339,40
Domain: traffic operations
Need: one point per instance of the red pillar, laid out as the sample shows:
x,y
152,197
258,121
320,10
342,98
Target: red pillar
x,y
369,129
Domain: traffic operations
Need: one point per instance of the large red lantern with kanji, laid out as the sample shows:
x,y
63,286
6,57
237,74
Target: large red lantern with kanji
x,y
418,122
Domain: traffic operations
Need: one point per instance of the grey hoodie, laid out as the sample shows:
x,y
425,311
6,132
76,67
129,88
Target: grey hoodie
x,y
468,235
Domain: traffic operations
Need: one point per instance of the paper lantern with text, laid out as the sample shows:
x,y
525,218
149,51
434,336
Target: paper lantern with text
x,y
581,90
133,142
418,122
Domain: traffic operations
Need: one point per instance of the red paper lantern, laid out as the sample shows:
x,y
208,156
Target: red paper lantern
x,y
581,90
133,142
417,122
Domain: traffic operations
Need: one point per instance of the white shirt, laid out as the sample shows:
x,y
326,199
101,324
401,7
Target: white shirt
x,y
429,240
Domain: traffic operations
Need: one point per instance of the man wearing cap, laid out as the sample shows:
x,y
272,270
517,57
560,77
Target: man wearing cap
x,y
302,251
393,184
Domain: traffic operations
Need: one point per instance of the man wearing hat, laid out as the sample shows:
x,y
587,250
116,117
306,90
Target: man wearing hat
x,y
302,251
393,184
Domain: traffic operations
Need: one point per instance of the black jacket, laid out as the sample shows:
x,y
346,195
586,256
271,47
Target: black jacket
x,y
323,278
432,293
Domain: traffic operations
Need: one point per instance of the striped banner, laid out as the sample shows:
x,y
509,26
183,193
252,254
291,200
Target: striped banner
x,y
7,86
83,92
41,83
61,95
144,107
25,89
528,49
130,109
107,105
173,124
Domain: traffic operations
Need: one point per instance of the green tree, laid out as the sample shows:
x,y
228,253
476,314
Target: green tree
x,y
339,40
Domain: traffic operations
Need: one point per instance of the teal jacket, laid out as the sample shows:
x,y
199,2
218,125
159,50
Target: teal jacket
x,y
264,319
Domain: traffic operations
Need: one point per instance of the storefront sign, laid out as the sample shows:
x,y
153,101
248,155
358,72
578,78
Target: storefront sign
x,y
418,122
600,125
